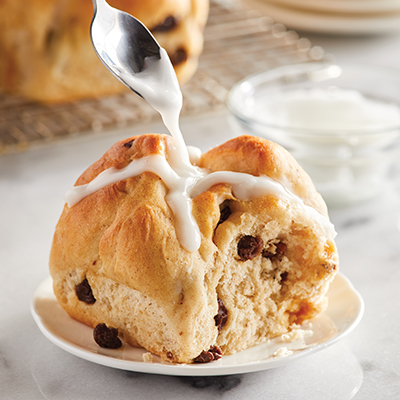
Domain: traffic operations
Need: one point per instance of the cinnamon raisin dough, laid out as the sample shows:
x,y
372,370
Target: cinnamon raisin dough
x,y
263,264
46,53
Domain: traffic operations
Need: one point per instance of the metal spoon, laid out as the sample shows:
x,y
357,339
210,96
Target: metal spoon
x,y
121,41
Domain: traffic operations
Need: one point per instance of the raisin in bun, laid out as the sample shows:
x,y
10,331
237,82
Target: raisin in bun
x,y
263,266
46,53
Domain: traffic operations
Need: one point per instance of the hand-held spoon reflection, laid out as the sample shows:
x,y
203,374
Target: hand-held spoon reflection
x,y
131,53
121,42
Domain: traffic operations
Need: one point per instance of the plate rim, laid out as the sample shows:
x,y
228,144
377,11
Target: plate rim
x,y
345,24
213,369
347,7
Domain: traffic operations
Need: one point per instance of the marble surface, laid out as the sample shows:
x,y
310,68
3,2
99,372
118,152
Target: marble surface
x,y
364,365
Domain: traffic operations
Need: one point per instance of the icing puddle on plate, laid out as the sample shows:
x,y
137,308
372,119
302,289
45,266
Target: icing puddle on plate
x,y
344,312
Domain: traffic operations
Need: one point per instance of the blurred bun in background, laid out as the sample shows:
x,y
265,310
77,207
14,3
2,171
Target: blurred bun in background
x,y
46,53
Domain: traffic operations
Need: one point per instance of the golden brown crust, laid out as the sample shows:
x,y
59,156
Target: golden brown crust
x,y
123,240
46,53
122,152
256,156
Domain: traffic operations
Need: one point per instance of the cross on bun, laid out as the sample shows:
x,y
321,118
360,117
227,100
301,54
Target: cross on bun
x,y
46,53
264,264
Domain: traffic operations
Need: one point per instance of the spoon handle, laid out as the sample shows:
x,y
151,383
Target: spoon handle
x,y
94,6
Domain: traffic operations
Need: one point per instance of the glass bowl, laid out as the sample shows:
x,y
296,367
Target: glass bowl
x,y
340,122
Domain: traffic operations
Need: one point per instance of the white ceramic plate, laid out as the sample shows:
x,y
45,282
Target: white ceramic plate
x,y
326,22
344,312
362,7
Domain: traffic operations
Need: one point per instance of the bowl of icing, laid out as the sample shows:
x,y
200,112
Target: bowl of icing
x,y
340,122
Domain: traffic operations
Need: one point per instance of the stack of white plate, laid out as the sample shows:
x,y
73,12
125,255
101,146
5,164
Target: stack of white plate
x,y
335,16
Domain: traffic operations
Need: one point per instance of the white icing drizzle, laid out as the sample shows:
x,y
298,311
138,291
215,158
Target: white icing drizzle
x,y
246,187
177,197
158,85
182,189
154,163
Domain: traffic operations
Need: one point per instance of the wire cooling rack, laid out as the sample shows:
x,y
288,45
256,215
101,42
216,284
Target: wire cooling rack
x,y
239,41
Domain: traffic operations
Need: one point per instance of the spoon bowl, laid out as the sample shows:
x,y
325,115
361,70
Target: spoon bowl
x,y
121,41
